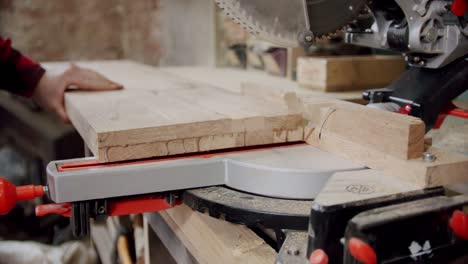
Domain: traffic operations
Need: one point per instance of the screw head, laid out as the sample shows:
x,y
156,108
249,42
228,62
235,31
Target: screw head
x,y
293,251
306,38
101,210
429,157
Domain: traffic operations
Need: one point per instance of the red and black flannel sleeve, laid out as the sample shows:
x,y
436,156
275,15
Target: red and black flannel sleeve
x,y
18,74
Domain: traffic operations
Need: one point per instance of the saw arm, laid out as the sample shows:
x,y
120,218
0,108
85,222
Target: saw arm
x,y
430,33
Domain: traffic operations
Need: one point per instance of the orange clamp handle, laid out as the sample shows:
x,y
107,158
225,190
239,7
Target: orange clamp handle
x,y
10,194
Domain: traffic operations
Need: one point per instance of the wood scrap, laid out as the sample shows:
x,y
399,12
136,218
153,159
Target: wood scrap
x,y
345,73
209,240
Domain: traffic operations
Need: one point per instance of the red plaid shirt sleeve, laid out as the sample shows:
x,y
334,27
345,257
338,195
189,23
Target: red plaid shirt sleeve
x,y
18,74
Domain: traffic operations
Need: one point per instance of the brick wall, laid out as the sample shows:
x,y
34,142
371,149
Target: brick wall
x,y
55,30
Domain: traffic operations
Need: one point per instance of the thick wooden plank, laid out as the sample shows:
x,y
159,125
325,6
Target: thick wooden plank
x,y
346,73
390,133
209,240
159,114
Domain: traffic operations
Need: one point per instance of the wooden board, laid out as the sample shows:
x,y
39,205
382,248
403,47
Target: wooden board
x,y
346,73
209,240
352,186
239,81
159,114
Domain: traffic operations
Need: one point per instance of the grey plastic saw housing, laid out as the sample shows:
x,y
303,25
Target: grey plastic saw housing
x,y
294,172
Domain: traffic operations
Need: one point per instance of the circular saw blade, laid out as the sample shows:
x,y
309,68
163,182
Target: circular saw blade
x,y
278,21
328,16
282,21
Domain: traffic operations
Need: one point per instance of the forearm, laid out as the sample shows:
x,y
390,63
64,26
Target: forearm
x,y
18,74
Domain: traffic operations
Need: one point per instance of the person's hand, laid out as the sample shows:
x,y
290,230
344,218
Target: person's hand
x,y
49,93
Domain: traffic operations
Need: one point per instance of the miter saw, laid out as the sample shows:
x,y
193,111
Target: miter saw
x,y
432,35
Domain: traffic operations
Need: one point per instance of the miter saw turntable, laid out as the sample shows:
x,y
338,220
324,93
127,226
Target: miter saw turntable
x,y
275,187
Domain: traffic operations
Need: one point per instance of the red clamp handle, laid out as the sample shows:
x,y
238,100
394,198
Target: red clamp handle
x,y
116,207
10,194
459,7
362,251
63,209
459,224
450,110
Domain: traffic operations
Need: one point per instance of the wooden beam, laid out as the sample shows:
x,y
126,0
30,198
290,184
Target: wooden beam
x,y
209,240
344,73
390,133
